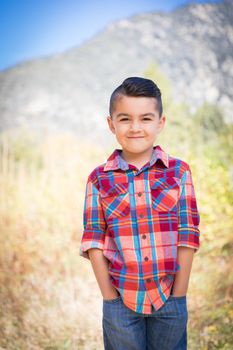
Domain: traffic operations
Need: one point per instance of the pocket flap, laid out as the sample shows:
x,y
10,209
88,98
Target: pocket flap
x,y
166,182
114,190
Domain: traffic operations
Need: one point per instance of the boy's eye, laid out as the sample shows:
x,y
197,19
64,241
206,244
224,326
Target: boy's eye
x,y
125,119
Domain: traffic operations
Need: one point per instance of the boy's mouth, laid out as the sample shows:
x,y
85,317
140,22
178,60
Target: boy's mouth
x,y
136,137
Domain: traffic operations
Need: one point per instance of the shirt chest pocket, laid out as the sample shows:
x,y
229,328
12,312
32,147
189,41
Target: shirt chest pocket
x,y
165,193
115,200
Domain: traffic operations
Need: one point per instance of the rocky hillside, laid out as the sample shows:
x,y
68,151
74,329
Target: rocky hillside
x,y
192,45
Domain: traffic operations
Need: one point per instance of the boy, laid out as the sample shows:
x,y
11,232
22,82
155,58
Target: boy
x,y
141,227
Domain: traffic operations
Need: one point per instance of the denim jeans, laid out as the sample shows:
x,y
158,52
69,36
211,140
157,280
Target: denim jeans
x,y
164,329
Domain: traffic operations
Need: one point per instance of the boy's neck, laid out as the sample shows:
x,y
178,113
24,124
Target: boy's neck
x,y
137,159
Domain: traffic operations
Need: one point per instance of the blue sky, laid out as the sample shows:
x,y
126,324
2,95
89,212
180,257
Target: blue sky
x,y
37,28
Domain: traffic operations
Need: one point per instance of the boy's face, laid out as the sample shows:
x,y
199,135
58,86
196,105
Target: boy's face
x,y
135,122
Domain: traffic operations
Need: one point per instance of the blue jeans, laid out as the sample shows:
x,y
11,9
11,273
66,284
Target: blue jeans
x,y
164,329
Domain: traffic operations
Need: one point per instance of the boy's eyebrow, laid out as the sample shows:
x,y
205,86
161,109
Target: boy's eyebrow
x,y
142,115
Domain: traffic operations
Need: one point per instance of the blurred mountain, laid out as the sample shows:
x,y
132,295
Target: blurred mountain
x,y
193,47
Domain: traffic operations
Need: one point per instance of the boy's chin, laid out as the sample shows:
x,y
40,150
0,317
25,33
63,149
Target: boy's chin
x,y
136,149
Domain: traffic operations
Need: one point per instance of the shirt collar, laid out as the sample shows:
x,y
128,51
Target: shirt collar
x,y
116,161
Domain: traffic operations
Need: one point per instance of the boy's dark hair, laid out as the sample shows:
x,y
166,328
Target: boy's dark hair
x,y
136,86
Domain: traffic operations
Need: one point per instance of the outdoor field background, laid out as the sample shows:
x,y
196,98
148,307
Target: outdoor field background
x,y
49,298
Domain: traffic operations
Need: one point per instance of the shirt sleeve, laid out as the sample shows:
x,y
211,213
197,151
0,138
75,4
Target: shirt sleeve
x,y
188,215
93,221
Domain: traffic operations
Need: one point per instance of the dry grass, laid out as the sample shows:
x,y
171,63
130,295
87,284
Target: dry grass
x,y
49,297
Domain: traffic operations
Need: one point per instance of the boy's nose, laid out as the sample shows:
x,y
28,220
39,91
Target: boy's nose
x,y
135,126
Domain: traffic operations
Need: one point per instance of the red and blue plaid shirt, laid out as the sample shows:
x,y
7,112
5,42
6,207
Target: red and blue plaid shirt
x,y
138,218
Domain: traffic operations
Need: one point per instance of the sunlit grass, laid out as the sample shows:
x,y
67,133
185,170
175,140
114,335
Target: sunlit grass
x,y
44,283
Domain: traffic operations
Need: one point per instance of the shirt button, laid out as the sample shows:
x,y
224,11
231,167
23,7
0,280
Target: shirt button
x,y
144,236
146,258
139,194
141,215
148,280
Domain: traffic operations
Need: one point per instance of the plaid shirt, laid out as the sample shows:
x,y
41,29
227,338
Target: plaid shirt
x,y
138,218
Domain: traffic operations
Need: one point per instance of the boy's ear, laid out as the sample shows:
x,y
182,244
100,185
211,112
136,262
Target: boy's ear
x,y
110,124
162,122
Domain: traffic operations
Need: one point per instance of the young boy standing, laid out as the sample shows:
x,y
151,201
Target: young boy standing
x,y
141,227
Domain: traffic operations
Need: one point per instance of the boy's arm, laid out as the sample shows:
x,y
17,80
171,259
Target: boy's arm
x,y
94,225
188,233
181,281
100,267
93,239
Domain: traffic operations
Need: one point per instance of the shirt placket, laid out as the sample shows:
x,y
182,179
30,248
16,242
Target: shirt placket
x,y
141,199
